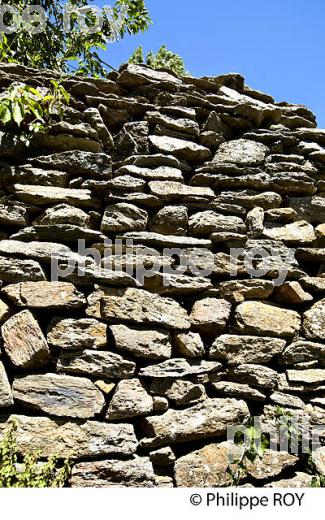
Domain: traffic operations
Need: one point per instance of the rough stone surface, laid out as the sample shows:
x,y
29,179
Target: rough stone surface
x,y
48,295
210,315
132,473
58,395
147,344
138,307
123,217
314,321
6,398
72,334
64,438
24,342
255,375
95,363
237,350
187,150
261,318
180,368
241,152
179,392
210,418
130,399
206,467
189,345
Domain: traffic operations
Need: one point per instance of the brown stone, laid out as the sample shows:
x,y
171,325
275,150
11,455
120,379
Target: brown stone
x,y
24,342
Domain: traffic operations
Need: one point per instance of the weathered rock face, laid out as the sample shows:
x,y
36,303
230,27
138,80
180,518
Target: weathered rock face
x,y
261,318
114,473
6,398
138,307
210,315
95,364
123,217
162,269
72,334
150,344
242,152
237,350
180,368
45,295
129,400
64,438
208,419
24,342
206,467
61,396
314,321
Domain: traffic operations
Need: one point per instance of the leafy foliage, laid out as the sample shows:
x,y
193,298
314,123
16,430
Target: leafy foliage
x,y
30,473
164,59
30,110
254,446
62,45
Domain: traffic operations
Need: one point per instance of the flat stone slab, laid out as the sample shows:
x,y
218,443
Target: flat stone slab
x,y
59,395
64,438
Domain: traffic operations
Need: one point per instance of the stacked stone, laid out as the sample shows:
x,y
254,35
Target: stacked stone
x,y
138,380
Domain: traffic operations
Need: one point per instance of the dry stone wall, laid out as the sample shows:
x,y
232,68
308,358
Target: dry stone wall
x,y
216,191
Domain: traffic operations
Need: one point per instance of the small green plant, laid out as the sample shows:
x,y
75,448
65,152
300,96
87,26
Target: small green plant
x,y
29,110
164,59
287,427
30,473
254,446
318,480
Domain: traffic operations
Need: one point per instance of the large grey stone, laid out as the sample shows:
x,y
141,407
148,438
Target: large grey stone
x,y
178,391
24,342
207,222
314,321
242,152
206,467
255,375
207,419
123,217
170,220
145,343
77,334
134,473
59,395
137,306
48,295
130,399
63,438
84,163
186,150
63,214
297,233
171,191
159,240
210,316
96,364
261,318
303,351
16,270
180,368
45,195
237,350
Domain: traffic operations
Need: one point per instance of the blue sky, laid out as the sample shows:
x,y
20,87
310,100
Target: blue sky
x,y
278,45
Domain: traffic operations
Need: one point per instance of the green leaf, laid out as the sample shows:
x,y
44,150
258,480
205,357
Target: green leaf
x,y
17,114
